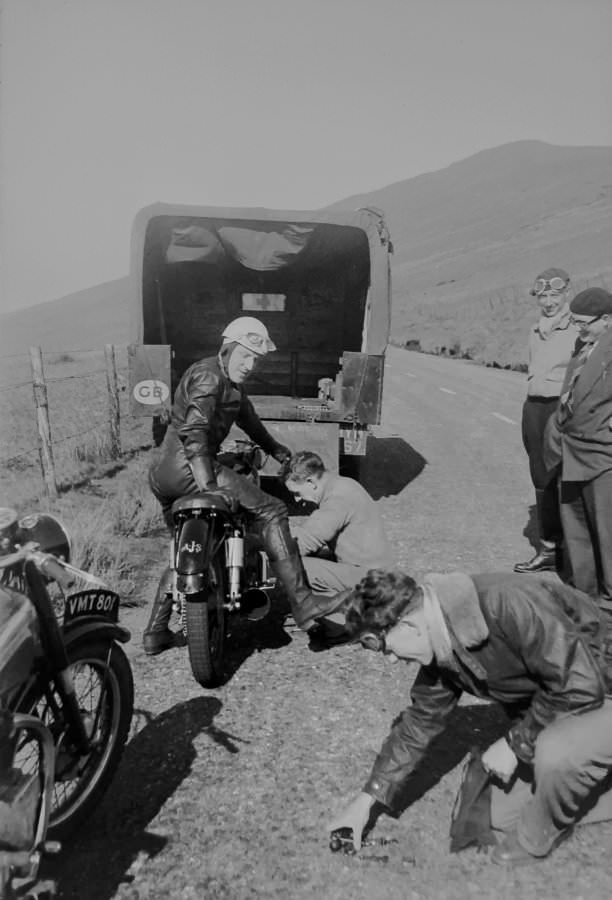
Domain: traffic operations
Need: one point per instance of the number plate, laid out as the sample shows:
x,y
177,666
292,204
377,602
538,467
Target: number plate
x,y
92,603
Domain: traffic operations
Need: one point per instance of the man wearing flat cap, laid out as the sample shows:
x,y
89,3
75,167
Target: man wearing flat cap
x,y
579,443
551,344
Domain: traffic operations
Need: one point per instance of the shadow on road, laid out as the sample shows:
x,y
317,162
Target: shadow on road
x,y
154,764
468,726
252,637
530,531
389,465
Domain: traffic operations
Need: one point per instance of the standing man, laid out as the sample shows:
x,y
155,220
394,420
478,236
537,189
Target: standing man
x,y
534,645
208,400
340,540
551,343
579,438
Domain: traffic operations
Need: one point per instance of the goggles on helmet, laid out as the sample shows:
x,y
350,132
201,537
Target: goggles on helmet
x,y
249,333
253,341
544,286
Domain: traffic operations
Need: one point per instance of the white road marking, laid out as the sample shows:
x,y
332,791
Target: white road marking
x,y
447,391
504,418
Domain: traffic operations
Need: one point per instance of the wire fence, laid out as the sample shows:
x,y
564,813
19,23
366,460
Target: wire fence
x,y
88,418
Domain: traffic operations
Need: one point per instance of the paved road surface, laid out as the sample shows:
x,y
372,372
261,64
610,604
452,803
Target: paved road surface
x,y
471,500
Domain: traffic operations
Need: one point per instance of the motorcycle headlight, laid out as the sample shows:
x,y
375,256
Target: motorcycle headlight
x,y
47,531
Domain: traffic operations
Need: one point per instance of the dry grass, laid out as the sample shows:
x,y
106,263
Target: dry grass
x,y
78,406
105,521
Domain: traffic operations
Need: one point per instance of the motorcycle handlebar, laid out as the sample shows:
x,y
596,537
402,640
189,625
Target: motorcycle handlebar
x,y
53,569
49,565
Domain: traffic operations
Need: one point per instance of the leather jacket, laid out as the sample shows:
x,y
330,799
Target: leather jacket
x,y
206,405
547,654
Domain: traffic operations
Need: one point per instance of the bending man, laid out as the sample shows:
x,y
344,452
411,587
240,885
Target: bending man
x,y
341,540
532,644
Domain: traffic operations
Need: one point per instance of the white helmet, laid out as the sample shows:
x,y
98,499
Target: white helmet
x,y
250,333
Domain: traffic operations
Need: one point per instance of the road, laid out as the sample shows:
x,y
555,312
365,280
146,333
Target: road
x,y
226,794
471,501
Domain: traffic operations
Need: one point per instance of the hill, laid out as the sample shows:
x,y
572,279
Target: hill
x,y
468,241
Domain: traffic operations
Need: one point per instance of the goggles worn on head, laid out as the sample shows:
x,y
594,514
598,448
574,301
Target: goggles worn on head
x,y
252,341
544,286
255,340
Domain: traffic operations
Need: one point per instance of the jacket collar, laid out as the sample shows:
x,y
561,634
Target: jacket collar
x,y
547,324
594,366
458,599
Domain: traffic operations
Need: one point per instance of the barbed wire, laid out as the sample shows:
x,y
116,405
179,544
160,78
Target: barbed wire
x,y
10,387
51,378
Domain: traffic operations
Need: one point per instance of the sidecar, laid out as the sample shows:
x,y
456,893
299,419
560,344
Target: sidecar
x,y
319,280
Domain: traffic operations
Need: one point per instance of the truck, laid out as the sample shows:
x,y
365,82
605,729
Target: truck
x,y
319,280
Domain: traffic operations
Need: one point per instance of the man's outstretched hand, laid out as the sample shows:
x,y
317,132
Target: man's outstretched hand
x,y
354,816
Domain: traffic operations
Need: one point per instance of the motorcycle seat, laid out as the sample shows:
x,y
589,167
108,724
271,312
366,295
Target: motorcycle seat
x,y
205,500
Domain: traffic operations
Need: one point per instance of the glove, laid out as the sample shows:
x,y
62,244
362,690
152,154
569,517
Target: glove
x,y
203,473
282,454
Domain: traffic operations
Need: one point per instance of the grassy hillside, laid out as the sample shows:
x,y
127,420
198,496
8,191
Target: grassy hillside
x,y
85,320
469,239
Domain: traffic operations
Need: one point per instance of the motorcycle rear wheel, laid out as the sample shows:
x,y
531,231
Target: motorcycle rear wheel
x,y
104,690
205,627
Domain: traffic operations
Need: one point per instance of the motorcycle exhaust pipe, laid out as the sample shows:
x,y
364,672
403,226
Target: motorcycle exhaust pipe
x,y
254,604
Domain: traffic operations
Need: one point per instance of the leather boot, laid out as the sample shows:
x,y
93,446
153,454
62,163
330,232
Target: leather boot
x,y
157,637
306,606
545,560
286,561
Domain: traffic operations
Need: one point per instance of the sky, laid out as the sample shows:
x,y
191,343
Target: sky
x,y
109,105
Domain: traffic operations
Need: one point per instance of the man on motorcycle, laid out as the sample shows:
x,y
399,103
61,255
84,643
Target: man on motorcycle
x,y
210,398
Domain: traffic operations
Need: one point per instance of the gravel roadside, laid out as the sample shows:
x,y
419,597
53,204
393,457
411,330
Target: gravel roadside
x,y
227,793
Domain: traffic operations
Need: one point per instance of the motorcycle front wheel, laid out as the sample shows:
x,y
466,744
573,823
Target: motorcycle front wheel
x,y
104,690
205,627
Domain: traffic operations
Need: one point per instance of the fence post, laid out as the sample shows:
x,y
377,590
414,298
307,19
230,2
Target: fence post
x,y
45,448
113,401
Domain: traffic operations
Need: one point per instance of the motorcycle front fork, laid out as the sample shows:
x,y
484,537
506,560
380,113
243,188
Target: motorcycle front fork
x,y
234,563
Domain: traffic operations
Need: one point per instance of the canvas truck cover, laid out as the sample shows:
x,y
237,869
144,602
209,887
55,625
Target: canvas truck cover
x,y
257,248
318,280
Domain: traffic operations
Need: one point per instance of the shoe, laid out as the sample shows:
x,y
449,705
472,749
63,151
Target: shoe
x,y
543,561
322,637
155,642
510,852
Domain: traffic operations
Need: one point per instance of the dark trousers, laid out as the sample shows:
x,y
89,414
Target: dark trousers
x,y
171,478
586,512
536,413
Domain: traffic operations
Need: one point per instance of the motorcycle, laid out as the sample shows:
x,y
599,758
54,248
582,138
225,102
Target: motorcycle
x,y
218,566
66,695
